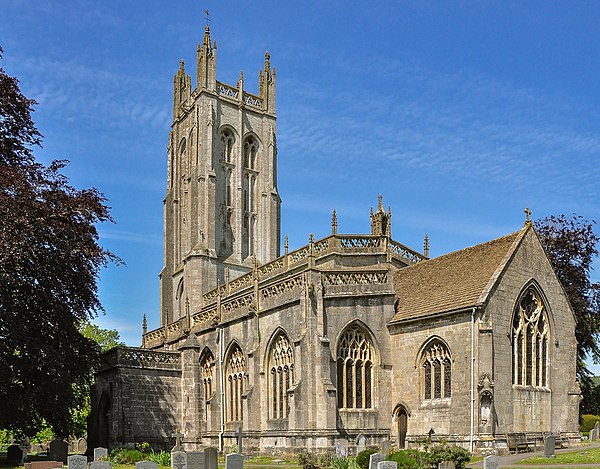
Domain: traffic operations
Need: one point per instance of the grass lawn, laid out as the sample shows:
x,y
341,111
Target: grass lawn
x,y
582,456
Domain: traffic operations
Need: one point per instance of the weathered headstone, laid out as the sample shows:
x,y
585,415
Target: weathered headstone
x,y
361,443
341,448
234,461
491,462
77,462
387,465
593,435
44,465
385,447
81,445
100,465
146,465
375,459
446,465
178,438
59,450
195,460
178,460
211,458
15,454
549,446
100,453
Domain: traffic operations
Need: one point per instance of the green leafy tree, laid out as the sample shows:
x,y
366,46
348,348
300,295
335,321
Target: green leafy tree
x,y
105,338
571,245
49,265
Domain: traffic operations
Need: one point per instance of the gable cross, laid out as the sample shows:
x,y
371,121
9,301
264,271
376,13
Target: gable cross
x,y
527,216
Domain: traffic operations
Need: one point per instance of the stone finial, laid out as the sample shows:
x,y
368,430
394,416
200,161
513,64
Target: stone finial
x,y
311,238
227,275
241,80
334,223
527,217
380,220
144,325
426,246
380,203
286,244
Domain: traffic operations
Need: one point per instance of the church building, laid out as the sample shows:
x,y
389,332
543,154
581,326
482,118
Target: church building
x,y
352,337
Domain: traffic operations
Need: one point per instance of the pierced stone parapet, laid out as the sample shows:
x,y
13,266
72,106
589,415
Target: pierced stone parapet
x,y
406,253
354,278
282,287
140,358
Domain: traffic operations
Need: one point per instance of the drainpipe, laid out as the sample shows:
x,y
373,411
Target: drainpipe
x,y
472,380
222,384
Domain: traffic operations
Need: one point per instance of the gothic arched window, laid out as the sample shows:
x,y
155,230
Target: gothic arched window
x,y
180,301
436,365
281,376
235,383
207,370
355,357
530,340
250,152
227,141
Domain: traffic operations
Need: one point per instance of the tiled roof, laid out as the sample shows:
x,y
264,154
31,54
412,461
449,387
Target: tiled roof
x,y
454,281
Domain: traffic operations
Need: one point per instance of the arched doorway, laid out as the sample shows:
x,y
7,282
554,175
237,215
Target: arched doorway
x,y
401,418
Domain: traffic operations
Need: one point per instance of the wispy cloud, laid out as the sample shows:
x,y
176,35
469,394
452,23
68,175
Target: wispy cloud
x,y
151,239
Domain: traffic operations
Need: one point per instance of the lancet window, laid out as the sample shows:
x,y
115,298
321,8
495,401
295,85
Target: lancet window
x,y
355,358
235,384
207,369
530,341
250,152
281,376
436,365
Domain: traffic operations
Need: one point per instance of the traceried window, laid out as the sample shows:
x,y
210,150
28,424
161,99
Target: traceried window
x,y
235,384
227,142
530,341
250,152
436,365
207,370
281,376
355,358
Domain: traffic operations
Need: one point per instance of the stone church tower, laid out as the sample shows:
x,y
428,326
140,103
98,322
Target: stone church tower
x,y
222,208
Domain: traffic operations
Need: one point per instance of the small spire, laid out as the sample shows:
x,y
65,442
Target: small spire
x,y
426,246
311,238
144,325
241,80
227,275
267,63
380,203
286,244
334,224
527,217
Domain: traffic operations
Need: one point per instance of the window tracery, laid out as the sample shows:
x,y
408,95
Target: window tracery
x,y
530,341
207,367
281,374
227,141
355,369
436,364
235,384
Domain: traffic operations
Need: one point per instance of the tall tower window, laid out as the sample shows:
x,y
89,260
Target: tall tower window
x,y
436,365
530,340
250,152
281,376
355,369
227,142
235,384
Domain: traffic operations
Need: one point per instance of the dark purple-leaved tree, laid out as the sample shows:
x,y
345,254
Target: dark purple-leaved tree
x,y
572,246
49,265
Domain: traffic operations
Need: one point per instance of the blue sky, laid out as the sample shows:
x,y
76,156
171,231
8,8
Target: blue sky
x,y
460,113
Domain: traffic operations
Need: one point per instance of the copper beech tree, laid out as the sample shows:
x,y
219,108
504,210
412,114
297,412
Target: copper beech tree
x,y
49,265
571,245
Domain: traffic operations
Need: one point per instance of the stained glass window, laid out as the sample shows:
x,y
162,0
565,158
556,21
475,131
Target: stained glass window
x,y
437,371
281,363
355,369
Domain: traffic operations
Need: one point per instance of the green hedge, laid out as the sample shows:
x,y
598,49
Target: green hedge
x,y
588,421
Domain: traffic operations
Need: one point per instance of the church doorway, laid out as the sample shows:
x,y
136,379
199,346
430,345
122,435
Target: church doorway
x,y
401,418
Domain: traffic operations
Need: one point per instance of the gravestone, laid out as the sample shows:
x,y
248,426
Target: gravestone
x,y
234,461
44,465
100,465
361,443
145,465
195,460
387,465
341,449
59,450
15,454
211,460
375,459
81,445
385,447
178,460
593,435
446,465
100,453
240,447
77,462
491,462
549,446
